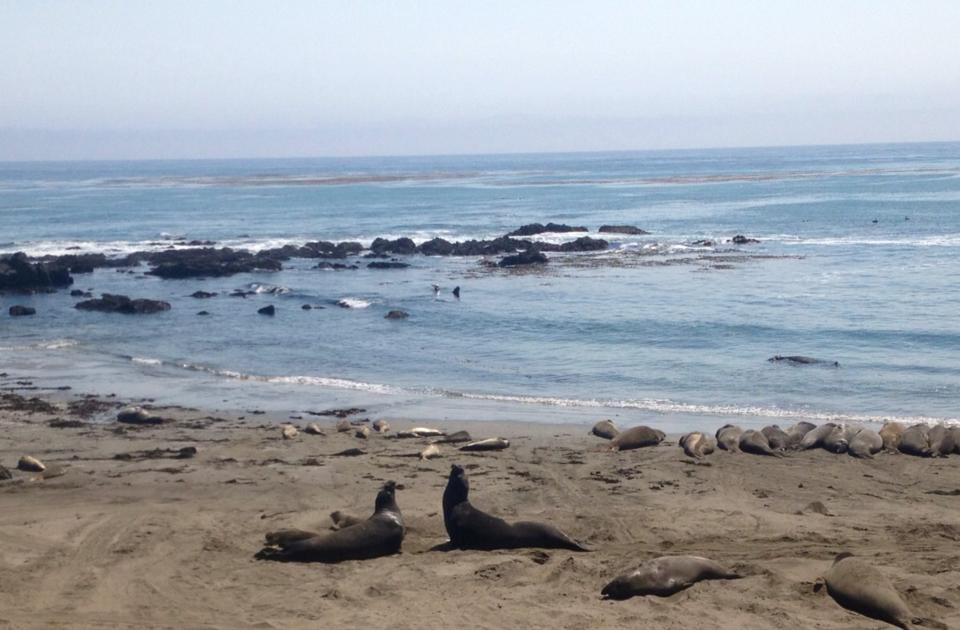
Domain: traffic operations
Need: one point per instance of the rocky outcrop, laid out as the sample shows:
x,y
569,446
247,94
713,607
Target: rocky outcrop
x,y
108,303
538,228
402,246
20,311
740,239
529,257
622,229
335,266
209,262
582,244
17,273
437,247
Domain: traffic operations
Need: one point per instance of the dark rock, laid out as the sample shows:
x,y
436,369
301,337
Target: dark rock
x,y
209,262
529,257
108,303
4,474
18,274
622,229
703,243
802,360
538,228
379,264
403,246
307,307
19,311
582,244
456,292
335,266
437,247
79,293
397,314
501,245
740,239
58,423
203,295
203,313
268,310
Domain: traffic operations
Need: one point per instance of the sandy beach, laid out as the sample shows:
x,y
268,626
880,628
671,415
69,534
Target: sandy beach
x,y
126,538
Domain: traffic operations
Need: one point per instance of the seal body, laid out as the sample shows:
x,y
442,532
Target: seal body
x,y
891,432
728,438
941,441
380,535
697,444
636,437
469,528
755,442
828,436
491,444
431,450
916,441
776,437
865,443
605,429
665,576
796,433
860,587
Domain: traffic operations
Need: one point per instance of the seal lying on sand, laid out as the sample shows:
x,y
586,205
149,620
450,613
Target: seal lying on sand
x,y
380,535
755,442
605,429
636,437
469,528
891,433
665,576
827,436
942,441
859,587
728,438
778,439
796,433
697,444
865,443
916,441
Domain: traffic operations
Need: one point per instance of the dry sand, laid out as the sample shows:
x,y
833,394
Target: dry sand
x,y
169,543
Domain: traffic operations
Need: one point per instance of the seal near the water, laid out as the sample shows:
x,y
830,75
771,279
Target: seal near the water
x,y
431,450
380,535
696,444
453,438
605,429
802,360
636,437
956,439
865,443
728,437
755,442
916,441
456,292
827,436
469,528
778,439
796,433
836,441
942,441
381,426
665,576
490,444
860,587
891,432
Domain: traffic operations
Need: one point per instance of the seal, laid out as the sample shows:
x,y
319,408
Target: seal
x,y
342,520
755,442
827,436
916,441
836,441
778,439
665,576
865,443
605,429
490,444
469,528
696,444
728,438
891,432
453,438
797,432
860,587
636,437
380,535
431,450
942,442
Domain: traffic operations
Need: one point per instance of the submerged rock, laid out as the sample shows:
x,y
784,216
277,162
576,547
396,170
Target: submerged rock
x,y
268,310
203,295
20,311
740,239
378,264
621,229
397,314
529,257
538,228
109,303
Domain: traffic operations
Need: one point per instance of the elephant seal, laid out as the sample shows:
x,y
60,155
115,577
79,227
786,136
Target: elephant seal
x,y
696,444
865,443
380,535
453,438
942,442
916,441
836,441
469,528
796,433
431,450
665,576
827,436
605,429
891,432
728,438
797,359
778,439
342,520
860,587
755,442
636,437
956,439
490,444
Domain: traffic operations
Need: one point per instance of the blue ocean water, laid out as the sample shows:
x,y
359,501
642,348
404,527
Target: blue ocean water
x,y
859,263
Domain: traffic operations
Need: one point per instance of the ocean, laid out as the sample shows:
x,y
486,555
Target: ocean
x,y
858,263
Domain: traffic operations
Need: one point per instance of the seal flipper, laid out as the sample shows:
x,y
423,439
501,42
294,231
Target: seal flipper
x,y
534,534
284,537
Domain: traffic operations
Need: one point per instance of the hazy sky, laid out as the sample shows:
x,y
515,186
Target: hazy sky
x,y
215,78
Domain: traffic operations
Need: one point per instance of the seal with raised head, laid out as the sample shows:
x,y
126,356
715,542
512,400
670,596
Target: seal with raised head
x,y
636,437
865,443
778,439
916,441
755,442
605,429
891,432
665,576
728,437
469,528
860,587
696,444
796,433
941,441
380,535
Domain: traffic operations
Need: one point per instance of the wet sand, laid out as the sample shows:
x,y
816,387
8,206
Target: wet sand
x,y
161,542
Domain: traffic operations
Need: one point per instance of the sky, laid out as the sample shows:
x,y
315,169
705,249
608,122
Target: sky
x,y
129,79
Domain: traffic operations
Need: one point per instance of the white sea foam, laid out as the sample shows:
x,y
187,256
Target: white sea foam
x,y
146,361
352,302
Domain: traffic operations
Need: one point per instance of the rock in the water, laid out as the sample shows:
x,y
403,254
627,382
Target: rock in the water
x,y
18,274
529,257
385,264
403,246
137,415
307,307
109,303
209,262
397,314
621,229
538,228
436,247
203,295
288,431
740,239
19,311
203,312
30,464
268,310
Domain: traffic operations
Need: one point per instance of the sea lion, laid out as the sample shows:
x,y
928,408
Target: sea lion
x,y
490,444
432,450
636,437
696,444
755,442
380,535
942,442
891,432
605,429
956,439
469,528
802,360
916,441
797,432
665,576
728,437
778,439
865,443
860,587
